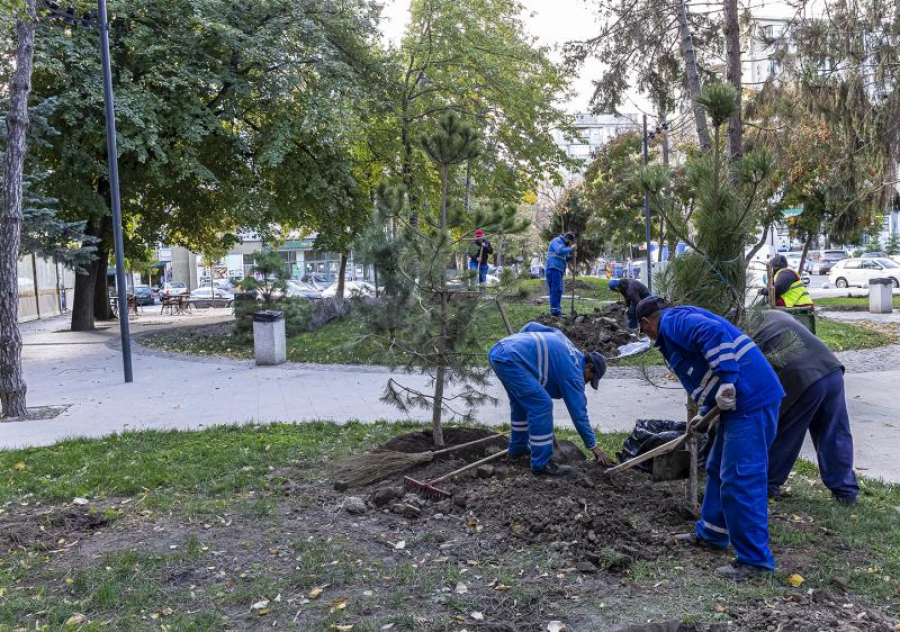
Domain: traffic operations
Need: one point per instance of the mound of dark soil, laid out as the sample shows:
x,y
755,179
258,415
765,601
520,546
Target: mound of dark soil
x,y
422,442
50,530
605,330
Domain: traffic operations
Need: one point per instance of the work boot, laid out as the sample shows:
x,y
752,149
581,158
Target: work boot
x,y
847,501
552,469
738,572
694,540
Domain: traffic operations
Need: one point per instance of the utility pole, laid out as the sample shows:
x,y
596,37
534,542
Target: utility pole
x,y
647,212
113,159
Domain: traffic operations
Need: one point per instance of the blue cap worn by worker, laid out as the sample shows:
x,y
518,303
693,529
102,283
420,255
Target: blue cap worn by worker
x,y
614,284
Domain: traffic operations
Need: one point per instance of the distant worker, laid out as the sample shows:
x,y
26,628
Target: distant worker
x,y
559,254
790,291
479,253
536,366
633,291
813,380
718,364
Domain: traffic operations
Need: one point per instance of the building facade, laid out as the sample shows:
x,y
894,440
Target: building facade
x,y
592,131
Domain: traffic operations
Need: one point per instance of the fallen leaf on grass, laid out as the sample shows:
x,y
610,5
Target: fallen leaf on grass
x,y
20,465
400,545
795,580
478,616
501,587
387,626
719,607
338,604
76,619
316,592
556,626
80,501
341,628
461,589
259,605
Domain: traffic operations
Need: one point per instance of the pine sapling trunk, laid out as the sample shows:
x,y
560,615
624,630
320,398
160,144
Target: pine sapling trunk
x,y
733,57
445,178
693,75
12,385
437,430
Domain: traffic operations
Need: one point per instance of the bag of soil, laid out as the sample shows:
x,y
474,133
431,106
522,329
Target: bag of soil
x,y
651,433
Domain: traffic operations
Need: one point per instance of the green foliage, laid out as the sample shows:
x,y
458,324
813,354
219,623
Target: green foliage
x,y
270,275
874,244
892,247
577,216
298,314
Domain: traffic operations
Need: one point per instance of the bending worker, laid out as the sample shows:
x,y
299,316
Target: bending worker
x,y
559,254
479,253
633,291
790,290
536,366
813,380
719,364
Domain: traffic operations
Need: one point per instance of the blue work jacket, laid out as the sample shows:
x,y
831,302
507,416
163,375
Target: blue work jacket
x,y
558,366
558,254
705,350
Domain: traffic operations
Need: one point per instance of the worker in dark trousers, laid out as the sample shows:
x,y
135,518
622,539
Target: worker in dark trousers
x,y
633,291
813,380
536,366
559,254
790,291
718,364
479,253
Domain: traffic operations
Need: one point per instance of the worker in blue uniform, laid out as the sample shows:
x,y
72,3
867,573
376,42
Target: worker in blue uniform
x,y
718,364
559,254
536,366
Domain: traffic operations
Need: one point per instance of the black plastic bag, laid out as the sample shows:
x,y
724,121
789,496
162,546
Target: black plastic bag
x,y
651,433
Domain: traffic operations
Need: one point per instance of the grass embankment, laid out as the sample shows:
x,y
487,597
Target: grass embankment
x,y
849,303
203,529
347,341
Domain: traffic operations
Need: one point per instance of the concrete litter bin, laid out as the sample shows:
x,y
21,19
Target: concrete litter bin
x,y
881,300
269,341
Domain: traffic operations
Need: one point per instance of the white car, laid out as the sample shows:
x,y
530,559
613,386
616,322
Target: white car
x,y
793,259
298,289
211,297
858,271
351,289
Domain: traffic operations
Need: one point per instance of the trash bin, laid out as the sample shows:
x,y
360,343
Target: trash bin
x,y
880,296
269,343
806,316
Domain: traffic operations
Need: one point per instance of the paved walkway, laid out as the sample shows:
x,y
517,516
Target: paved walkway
x,y
84,372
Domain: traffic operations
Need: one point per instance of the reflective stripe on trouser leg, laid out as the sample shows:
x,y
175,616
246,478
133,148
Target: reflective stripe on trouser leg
x,y
555,287
742,498
518,438
540,427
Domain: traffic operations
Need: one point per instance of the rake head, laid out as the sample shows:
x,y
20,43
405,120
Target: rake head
x,y
424,489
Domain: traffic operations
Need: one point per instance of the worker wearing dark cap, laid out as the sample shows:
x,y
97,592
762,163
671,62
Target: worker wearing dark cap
x,y
790,291
559,254
718,364
813,380
536,366
633,291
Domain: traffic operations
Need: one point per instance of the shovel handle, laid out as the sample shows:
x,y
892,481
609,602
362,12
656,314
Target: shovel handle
x,y
468,467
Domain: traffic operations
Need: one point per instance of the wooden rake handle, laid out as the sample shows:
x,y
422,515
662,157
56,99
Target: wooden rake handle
x,y
704,423
468,467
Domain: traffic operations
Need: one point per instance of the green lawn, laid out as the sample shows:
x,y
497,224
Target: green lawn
x,y
203,529
860,303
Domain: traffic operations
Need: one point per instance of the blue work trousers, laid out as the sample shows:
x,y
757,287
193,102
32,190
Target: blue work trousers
x,y
735,508
632,316
822,410
555,284
531,409
482,271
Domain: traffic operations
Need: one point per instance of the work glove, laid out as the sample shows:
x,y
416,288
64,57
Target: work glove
x,y
726,397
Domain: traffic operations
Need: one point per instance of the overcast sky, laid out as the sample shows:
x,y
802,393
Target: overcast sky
x,y
555,22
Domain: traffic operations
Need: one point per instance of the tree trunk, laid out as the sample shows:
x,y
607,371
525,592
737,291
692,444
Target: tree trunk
x,y
733,58
12,385
806,246
662,217
339,293
693,76
437,430
83,296
468,185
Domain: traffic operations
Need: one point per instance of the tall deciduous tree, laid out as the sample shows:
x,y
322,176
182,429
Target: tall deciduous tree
x,y
12,384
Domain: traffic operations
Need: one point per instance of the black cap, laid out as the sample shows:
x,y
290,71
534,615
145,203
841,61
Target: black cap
x,y
599,364
778,262
649,306
569,236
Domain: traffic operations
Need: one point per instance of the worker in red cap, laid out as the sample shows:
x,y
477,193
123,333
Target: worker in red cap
x,y
479,252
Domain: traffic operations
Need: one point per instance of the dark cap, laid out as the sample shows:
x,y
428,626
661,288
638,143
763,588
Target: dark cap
x,y
778,262
649,306
599,364
569,236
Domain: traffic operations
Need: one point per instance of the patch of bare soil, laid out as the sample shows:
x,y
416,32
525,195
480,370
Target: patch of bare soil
x,y
605,330
48,529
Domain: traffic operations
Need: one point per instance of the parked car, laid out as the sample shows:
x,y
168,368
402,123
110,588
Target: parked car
x,y
174,288
858,271
821,261
351,289
319,280
223,284
756,274
302,290
793,258
211,297
874,255
143,295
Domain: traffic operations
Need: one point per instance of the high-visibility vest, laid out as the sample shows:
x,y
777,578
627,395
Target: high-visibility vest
x,y
797,295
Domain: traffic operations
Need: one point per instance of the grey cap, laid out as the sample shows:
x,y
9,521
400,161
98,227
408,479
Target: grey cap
x,y
649,306
599,364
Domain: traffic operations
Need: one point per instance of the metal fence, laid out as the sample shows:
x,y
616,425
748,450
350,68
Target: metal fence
x,y
45,288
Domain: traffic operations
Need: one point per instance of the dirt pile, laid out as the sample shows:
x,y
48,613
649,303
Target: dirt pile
x,y
52,529
605,330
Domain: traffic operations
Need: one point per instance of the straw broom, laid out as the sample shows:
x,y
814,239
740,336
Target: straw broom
x,y
369,468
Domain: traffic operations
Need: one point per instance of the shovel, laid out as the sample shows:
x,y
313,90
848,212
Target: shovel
x,y
427,489
704,423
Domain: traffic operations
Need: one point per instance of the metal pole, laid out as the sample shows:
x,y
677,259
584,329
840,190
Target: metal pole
x,y
647,212
114,191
